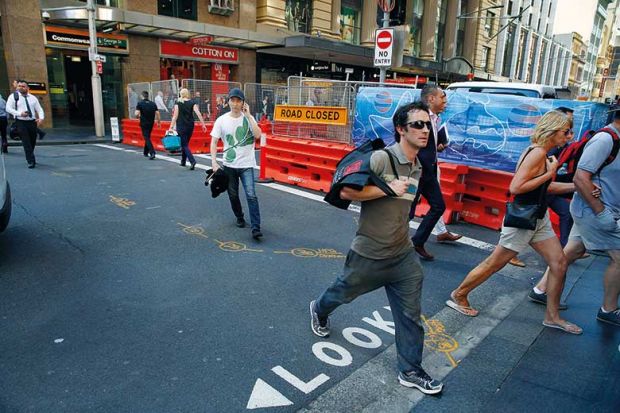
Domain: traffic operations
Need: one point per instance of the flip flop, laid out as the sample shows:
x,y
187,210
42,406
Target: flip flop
x,y
468,311
516,262
566,327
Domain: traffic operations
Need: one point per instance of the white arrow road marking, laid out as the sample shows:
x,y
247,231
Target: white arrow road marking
x,y
297,382
263,395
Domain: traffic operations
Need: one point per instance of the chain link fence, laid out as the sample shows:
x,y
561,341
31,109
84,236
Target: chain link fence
x,y
262,99
134,95
211,96
165,94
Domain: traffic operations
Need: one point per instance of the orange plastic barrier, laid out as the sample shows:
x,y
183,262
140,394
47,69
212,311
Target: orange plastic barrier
x,y
486,194
452,182
305,163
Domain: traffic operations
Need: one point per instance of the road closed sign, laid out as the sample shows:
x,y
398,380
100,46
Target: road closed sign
x,y
384,41
326,115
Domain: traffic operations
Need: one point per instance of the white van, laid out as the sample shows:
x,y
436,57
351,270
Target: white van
x,y
506,88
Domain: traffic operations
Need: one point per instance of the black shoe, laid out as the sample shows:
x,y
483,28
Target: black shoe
x,y
319,328
421,381
182,164
42,134
152,156
145,154
31,165
5,149
193,166
240,222
256,234
612,317
542,299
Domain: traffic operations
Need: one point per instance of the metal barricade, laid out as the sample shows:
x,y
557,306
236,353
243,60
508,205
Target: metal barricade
x,y
165,94
261,98
211,96
134,95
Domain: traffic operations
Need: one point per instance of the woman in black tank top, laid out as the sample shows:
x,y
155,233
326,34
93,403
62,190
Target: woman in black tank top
x,y
533,177
183,122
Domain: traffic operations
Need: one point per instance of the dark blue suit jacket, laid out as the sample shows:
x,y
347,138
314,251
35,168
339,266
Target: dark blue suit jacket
x,y
428,155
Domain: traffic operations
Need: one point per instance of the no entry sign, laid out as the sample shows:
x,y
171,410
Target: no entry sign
x,y
384,40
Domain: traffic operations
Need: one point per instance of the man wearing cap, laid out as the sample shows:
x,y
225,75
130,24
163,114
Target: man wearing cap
x,y
596,218
238,130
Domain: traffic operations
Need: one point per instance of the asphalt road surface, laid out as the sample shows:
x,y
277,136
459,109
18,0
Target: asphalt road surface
x,y
125,287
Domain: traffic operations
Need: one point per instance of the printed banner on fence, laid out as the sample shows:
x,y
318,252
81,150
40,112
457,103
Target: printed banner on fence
x,y
486,131
325,115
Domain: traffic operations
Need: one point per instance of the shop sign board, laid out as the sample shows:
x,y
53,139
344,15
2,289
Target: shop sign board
x,y
174,49
384,40
63,36
325,115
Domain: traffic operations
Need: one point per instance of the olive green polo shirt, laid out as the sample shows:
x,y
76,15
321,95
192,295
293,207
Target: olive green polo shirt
x,y
383,230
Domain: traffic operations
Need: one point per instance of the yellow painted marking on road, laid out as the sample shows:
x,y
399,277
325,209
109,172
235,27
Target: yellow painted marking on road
x,y
438,340
234,246
196,230
313,253
121,202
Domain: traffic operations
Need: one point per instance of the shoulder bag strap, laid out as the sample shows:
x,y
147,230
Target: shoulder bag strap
x,y
392,163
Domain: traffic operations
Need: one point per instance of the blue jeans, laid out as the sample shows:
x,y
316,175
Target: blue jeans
x,y
561,206
247,179
402,278
185,133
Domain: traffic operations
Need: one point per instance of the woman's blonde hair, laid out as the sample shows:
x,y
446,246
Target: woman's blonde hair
x,y
183,95
550,123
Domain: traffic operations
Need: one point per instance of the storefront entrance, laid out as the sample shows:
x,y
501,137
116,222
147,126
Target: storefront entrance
x,y
71,93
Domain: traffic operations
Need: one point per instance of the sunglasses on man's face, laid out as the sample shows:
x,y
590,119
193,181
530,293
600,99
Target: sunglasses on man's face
x,y
419,124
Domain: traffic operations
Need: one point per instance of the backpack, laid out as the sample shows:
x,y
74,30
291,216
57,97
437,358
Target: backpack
x,y
569,157
353,171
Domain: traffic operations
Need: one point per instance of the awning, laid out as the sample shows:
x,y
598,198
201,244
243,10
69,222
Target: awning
x,y
132,22
317,48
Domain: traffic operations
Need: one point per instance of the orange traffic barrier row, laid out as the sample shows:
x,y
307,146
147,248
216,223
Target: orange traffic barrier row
x,y
305,163
452,182
486,194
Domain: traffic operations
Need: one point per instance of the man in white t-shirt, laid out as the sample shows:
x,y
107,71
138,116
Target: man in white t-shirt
x,y
238,130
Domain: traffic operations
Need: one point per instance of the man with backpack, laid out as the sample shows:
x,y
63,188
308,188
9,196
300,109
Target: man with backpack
x,y
596,218
28,115
381,254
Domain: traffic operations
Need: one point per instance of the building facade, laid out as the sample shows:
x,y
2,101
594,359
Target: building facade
x,y
594,45
575,77
266,41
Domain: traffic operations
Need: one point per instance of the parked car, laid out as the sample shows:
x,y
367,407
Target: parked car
x,y
5,197
506,88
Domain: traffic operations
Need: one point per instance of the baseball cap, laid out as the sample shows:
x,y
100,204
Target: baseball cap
x,y
236,93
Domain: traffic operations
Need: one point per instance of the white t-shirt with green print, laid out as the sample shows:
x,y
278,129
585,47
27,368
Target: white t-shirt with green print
x,y
236,134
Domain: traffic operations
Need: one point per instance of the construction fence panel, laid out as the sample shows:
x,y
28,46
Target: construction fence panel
x,y
165,95
319,93
134,95
211,96
261,98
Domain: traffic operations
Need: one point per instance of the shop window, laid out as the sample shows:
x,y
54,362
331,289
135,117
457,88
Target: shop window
x,y
350,22
183,9
298,15
416,27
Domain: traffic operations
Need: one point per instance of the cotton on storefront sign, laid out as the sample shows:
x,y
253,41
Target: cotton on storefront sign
x,y
211,53
331,354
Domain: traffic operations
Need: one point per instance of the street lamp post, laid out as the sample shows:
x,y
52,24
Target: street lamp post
x,y
95,78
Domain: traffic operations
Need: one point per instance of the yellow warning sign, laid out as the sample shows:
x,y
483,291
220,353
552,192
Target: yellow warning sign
x,y
326,115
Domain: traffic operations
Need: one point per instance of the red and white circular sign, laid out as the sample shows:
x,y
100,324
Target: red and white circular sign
x,y
384,39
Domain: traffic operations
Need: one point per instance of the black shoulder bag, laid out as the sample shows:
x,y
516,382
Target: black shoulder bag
x,y
520,215
13,132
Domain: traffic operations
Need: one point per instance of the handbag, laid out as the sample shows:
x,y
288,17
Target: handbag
x,y
522,216
171,141
13,133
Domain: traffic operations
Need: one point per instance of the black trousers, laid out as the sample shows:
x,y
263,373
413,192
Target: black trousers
x,y
27,131
146,134
431,191
3,125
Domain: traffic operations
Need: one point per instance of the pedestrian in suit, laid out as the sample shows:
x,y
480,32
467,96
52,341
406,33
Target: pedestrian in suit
x,y
28,115
435,98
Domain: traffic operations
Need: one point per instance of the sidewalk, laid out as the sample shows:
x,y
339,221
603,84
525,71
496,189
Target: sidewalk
x,y
66,136
522,366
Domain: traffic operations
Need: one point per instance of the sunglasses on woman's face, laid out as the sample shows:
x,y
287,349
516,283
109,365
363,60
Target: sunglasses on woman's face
x,y
419,124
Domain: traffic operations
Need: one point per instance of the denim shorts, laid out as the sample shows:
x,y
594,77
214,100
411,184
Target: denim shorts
x,y
598,231
517,239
